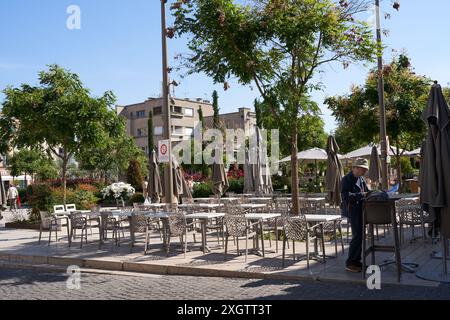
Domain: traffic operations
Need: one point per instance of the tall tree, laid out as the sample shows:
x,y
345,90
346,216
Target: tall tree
x,y
258,112
59,116
278,45
215,105
406,94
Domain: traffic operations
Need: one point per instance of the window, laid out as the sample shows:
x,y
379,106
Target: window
x,y
158,131
189,131
140,132
140,114
131,114
178,130
177,109
157,111
189,112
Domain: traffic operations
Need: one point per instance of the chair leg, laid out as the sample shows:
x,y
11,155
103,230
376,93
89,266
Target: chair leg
x,y
284,252
50,235
56,233
185,243
146,241
307,250
372,244
364,251
226,247
293,250
40,234
342,237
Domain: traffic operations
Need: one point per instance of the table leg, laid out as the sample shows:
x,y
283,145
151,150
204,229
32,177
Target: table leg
x,y
203,223
262,237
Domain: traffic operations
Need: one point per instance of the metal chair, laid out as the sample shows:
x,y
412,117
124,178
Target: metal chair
x,y
59,209
381,213
178,227
52,223
139,224
298,229
79,221
237,226
412,215
71,207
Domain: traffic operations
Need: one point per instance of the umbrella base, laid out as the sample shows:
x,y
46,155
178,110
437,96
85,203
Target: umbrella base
x,y
439,255
433,276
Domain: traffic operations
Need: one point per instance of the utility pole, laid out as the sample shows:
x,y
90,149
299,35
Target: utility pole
x,y
384,151
166,106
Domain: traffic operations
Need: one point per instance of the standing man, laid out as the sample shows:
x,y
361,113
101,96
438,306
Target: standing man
x,y
13,194
353,191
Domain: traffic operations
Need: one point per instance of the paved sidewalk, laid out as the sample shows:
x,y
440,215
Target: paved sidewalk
x,y
26,284
18,246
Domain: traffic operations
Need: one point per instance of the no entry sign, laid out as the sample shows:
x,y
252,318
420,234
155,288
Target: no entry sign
x,y
163,151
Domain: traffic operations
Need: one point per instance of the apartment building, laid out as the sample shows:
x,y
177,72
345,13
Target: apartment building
x,y
244,119
184,118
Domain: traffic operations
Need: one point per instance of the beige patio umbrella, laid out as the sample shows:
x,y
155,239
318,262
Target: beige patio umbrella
x,y
435,179
154,187
219,179
180,187
375,166
248,175
335,172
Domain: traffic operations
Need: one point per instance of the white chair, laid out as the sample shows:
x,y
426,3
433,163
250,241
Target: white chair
x,y
71,207
59,209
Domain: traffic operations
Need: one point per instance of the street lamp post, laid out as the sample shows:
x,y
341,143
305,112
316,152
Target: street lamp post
x,y
166,106
384,151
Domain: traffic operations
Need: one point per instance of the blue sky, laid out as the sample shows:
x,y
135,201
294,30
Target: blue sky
x,y
118,48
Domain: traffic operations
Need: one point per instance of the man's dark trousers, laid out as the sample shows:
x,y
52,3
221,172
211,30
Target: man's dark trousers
x,y
355,250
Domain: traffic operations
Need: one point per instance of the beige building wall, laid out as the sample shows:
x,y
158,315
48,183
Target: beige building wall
x,y
184,118
244,119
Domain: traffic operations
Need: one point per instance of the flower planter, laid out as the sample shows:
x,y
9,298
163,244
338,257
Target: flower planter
x,y
19,225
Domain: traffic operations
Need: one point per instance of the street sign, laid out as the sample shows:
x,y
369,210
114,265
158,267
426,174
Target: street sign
x,y
163,151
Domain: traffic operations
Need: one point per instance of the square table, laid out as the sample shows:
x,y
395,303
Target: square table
x,y
261,217
204,217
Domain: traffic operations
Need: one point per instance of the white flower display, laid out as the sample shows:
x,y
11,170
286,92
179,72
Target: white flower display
x,y
118,190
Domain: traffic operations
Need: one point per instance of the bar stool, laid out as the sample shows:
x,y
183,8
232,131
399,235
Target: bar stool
x,y
382,213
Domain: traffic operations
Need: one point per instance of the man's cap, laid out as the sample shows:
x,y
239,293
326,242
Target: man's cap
x,y
361,163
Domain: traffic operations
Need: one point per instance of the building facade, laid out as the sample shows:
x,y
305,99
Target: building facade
x,y
184,118
244,119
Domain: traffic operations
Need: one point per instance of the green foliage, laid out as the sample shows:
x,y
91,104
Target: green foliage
x,y
406,94
136,198
236,185
134,175
44,197
59,113
47,170
215,106
277,45
202,190
406,166
25,161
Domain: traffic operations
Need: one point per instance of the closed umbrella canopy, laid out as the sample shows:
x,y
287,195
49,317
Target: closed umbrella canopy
x,y
375,166
435,179
180,187
248,175
335,172
154,187
3,201
219,179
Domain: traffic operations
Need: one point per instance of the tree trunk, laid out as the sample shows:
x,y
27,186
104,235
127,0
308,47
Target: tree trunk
x,y
294,173
399,171
64,177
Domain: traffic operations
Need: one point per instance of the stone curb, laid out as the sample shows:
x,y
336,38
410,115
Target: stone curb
x,y
113,267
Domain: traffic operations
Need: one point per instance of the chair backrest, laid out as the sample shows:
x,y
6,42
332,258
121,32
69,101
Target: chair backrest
x,y
139,222
187,200
177,223
71,207
59,208
236,224
78,220
296,228
378,212
45,219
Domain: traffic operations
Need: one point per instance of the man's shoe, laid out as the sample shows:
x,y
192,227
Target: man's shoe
x,y
354,268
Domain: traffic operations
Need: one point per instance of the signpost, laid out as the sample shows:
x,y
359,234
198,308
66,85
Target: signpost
x,y
163,151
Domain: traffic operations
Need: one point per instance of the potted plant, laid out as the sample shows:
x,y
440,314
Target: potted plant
x,y
119,191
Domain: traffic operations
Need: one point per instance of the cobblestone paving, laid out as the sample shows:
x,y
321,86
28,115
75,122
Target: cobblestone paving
x,y
30,285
